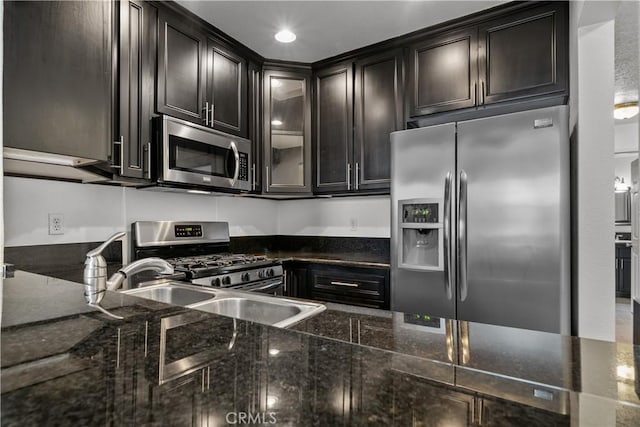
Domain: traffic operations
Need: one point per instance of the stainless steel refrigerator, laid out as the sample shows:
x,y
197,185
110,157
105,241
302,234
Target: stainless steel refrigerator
x,y
480,221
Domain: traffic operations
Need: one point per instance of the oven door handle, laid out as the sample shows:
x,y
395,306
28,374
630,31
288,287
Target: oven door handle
x,y
236,156
266,287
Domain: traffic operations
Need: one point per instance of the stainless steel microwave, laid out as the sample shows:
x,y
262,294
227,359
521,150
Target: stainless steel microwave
x,y
194,155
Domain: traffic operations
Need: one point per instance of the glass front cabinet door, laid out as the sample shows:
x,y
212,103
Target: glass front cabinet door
x,y
287,131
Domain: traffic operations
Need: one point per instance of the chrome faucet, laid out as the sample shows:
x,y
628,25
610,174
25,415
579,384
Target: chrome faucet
x,y
95,272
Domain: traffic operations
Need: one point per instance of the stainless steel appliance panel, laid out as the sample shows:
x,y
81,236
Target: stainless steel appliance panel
x,y
514,231
197,155
420,161
169,233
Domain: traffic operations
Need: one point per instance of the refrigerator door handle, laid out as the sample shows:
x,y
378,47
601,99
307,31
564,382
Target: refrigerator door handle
x,y
462,235
448,280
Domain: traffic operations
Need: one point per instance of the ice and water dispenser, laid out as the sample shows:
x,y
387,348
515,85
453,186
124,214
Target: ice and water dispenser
x,y
421,234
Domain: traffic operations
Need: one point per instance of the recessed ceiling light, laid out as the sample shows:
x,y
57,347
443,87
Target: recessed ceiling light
x,y
285,36
625,111
276,122
276,83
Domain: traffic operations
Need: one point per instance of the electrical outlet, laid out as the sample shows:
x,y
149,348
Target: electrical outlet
x,y
354,224
56,223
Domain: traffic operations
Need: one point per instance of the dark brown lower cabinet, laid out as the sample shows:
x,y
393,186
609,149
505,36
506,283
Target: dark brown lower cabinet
x,y
361,286
367,287
295,280
498,413
183,398
423,403
623,271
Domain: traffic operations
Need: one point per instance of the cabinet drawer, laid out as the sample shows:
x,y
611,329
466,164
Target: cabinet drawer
x,y
351,286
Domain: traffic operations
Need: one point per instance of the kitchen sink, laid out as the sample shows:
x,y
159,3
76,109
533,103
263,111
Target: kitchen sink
x,y
171,294
264,309
254,307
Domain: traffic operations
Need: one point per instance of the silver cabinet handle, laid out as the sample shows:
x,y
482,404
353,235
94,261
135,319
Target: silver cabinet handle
x,y
351,285
475,93
357,178
267,178
236,156
211,115
121,144
348,176
447,237
206,113
253,177
148,160
462,235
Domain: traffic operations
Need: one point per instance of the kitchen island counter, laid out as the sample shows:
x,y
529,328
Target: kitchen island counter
x,y
64,363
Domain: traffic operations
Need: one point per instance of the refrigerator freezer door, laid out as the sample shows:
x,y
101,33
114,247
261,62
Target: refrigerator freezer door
x,y
517,232
420,161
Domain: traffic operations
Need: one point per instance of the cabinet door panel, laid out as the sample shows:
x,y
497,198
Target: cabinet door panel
x,y
287,132
334,128
378,112
58,77
227,90
443,72
524,54
181,69
138,22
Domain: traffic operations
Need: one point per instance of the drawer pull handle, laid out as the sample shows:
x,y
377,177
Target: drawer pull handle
x,y
351,285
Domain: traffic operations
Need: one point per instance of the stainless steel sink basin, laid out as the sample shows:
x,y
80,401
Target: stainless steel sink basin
x,y
280,312
171,294
254,307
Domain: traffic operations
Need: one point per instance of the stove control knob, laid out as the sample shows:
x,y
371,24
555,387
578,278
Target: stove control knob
x,y
245,277
261,274
270,272
226,280
215,282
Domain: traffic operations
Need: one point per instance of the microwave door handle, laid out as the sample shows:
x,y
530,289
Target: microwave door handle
x,y
236,156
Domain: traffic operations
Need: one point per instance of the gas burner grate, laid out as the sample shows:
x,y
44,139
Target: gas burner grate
x,y
213,261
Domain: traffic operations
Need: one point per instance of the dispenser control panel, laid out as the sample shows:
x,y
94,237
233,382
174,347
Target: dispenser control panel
x,y
420,213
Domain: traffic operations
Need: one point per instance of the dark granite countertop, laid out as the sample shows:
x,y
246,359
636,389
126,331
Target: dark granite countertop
x,y
352,259
63,363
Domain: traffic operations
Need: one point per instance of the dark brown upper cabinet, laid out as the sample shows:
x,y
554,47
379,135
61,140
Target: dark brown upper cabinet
x,y
516,56
378,111
443,72
357,105
524,54
137,60
333,125
181,68
287,131
58,78
226,96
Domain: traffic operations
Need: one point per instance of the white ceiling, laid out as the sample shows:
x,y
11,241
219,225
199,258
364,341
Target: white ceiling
x,y
325,28
627,67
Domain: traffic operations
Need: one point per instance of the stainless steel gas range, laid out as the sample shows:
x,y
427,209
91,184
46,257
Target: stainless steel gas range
x,y
200,250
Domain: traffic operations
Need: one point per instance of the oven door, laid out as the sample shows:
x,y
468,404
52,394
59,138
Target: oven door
x,y
193,154
273,286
